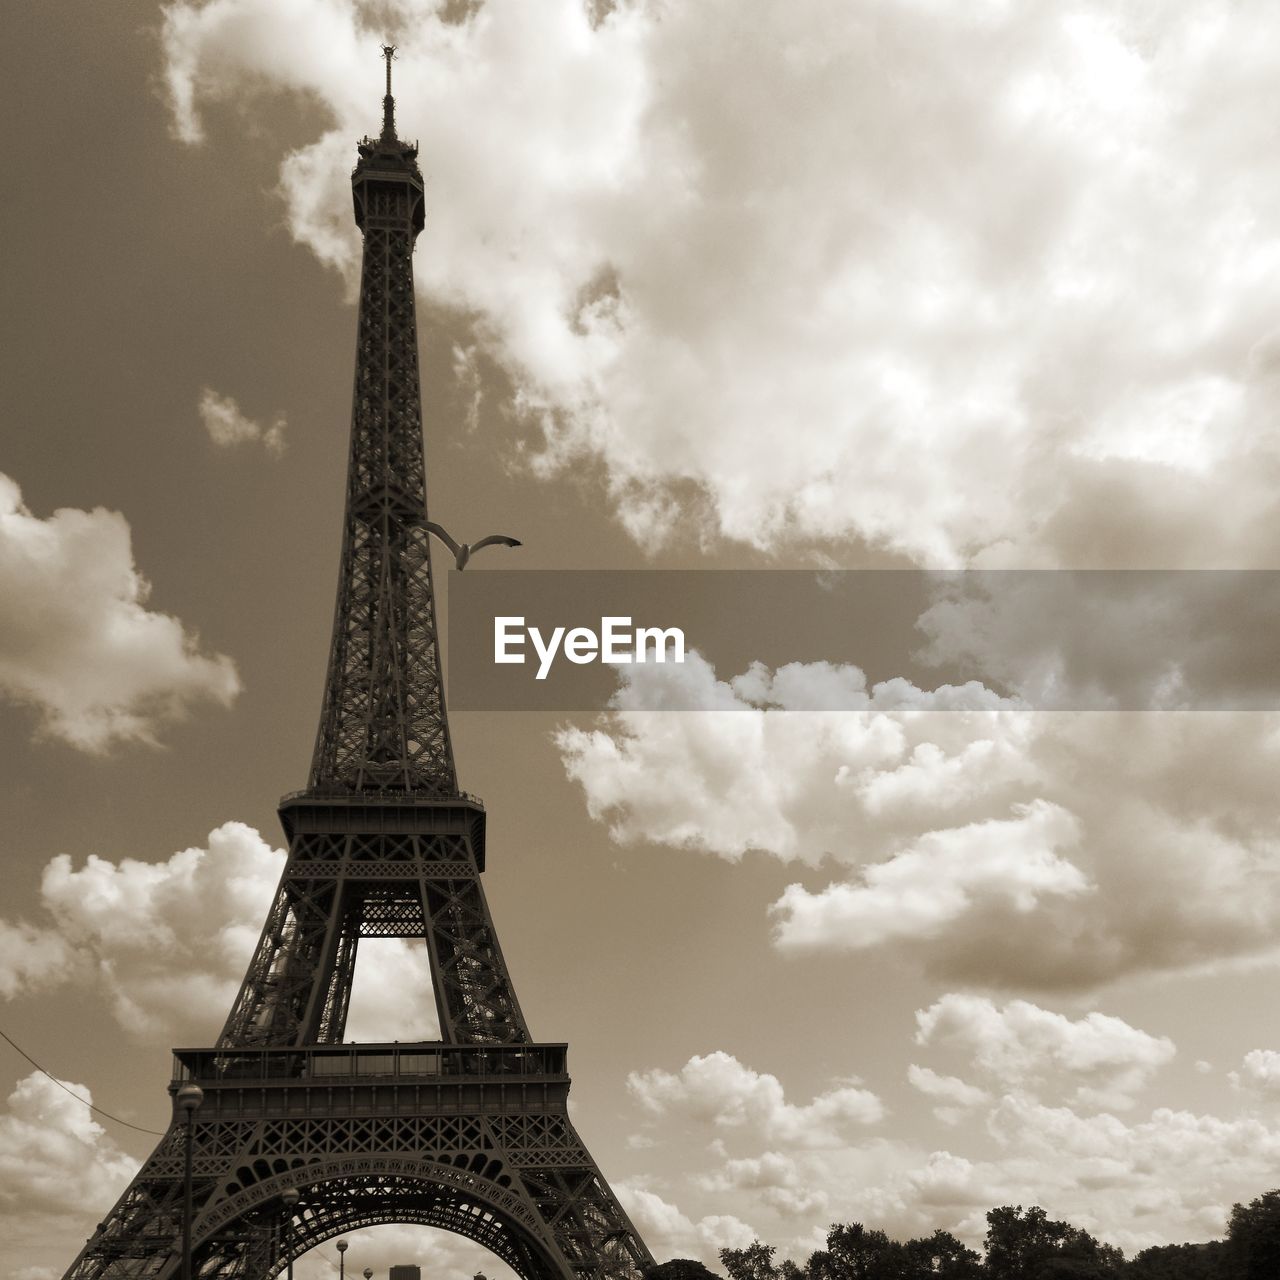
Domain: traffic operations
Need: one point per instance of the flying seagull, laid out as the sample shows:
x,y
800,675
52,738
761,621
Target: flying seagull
x,y
464,551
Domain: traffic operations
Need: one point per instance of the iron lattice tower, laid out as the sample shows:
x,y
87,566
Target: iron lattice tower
x,y
469,1133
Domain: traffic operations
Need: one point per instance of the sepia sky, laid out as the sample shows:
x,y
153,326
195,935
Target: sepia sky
x,y
726,285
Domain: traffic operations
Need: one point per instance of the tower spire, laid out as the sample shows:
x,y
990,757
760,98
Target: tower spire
x,y
383,726
388,102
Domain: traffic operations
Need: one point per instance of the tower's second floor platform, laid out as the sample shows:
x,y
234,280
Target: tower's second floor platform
x,y
339,813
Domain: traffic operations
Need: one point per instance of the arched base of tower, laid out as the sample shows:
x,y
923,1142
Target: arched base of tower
x,y
342,1196
521,1185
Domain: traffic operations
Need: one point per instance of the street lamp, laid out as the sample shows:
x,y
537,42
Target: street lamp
x,y
289,1197
342,1248
188,1098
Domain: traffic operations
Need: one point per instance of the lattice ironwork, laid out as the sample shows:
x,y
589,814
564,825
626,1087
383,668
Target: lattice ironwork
x,y
465,1139
425,886
383,725
470,1133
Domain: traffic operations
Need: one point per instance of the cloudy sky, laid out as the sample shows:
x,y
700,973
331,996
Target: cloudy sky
x,y
900,284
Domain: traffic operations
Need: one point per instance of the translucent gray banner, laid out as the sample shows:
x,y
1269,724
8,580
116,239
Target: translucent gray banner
x,y
568,640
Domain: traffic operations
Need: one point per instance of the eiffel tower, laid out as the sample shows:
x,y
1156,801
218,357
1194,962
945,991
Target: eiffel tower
x,y
298,1137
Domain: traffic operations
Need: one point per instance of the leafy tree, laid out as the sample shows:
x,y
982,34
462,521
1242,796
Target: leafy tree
x,y
679,1269
1177,1262
1252,1250
1081,1257
941,1255
855,1253
755,1262
1032,1246
1019,1244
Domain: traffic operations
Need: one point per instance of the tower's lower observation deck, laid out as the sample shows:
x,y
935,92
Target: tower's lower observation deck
x,y
375,1079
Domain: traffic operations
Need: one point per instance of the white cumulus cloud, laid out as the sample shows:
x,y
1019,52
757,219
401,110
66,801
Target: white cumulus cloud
x,y
77,641
1100,1060
31,957
1166,1174
743,771
168,942
669,1232
59,1169
227,426
775,1177
1259,1072
833,276
995,844
719,1091
392,992
954,1099
932,884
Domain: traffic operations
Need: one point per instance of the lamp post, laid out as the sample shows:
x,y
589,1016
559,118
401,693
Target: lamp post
x,y
188,1098
289,1197
342,1271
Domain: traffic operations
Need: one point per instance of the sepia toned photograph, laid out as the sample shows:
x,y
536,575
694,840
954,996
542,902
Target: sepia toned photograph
x,y
640,640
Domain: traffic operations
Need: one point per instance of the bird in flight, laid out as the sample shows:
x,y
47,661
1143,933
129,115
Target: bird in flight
x,y
463,551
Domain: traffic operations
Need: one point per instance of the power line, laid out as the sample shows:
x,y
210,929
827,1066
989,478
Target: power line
x,y
155,1133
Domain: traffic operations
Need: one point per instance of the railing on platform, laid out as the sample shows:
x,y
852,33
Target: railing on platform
x,y
390,796
333,1064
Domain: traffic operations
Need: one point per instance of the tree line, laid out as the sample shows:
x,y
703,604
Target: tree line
x,y
1020,1244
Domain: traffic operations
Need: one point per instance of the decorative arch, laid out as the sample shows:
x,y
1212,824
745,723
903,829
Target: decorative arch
x,y
469,1196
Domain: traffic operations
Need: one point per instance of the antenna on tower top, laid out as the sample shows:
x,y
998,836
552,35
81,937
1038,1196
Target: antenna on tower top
x,y
388,103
